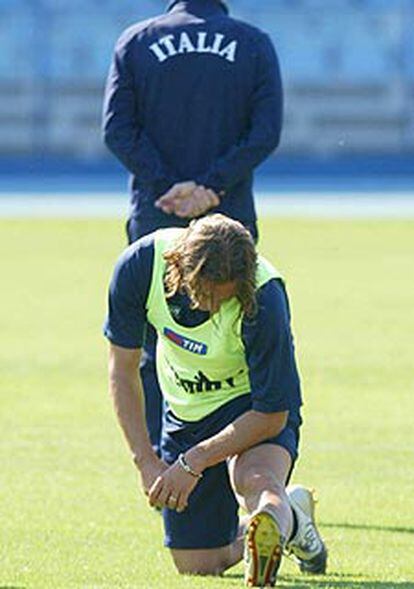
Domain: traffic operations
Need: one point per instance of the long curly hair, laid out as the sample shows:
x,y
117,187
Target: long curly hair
x,y
213,249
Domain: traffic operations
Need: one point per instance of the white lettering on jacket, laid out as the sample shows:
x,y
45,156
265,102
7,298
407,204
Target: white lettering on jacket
x,y
173,45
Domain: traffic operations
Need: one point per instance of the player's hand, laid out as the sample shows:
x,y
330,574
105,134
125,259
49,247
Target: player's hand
x,y
177,194
172,488
201,200
150,471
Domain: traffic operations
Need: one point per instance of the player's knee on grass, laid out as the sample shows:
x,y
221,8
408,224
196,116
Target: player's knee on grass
x,y
212,561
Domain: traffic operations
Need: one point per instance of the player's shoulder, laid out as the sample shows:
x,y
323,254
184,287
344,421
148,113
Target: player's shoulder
x,y
139,253
137,31
272,310
272,291
256,35
272,303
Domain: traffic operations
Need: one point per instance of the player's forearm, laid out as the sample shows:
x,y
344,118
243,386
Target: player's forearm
x,y
246,431
126,392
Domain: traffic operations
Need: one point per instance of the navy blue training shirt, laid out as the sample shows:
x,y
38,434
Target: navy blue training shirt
x,y
267,338
193,94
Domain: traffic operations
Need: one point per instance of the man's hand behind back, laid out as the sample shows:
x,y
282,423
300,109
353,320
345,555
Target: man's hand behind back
x,y
187,200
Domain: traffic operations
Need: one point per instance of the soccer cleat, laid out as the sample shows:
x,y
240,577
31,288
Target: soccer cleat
x,y
307,546
262,551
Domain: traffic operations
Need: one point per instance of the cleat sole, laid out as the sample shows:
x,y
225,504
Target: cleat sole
x,y
264,547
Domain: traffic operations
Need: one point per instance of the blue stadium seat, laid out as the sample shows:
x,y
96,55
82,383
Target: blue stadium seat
x,y
77,54
80,35
324,45
16,58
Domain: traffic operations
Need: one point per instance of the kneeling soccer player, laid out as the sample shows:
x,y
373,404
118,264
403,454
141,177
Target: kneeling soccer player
x,y
226,367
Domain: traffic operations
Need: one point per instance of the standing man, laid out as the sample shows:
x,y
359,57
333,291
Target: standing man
x,y
193,104
193,98
226,366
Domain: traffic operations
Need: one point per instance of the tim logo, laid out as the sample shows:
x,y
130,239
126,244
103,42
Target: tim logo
x,y
185,343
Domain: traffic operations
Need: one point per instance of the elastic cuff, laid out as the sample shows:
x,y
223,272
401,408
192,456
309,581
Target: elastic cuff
x,y
219,189
266,408
122,344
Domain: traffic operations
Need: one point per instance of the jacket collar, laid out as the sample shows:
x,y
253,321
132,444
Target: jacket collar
x,y
199,7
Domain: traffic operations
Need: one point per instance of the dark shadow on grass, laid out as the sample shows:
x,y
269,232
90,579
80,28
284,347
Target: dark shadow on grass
x,y
336,581
339,583
301,578
395,529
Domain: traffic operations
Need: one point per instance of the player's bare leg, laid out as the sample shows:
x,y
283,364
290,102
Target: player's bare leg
x,y
213,561
259,476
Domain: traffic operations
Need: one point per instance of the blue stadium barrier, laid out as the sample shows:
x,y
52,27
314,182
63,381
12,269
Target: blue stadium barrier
x,y
338,72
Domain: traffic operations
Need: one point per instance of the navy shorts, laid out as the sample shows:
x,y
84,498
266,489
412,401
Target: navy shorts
x,y
211,518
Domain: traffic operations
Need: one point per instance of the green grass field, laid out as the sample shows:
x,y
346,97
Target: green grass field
x,y
71,514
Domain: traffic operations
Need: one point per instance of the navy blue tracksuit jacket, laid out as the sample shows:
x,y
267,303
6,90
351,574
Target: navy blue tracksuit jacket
x,y
193,94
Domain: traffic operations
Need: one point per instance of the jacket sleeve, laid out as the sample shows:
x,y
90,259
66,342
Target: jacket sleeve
x,y
265,126
122,132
